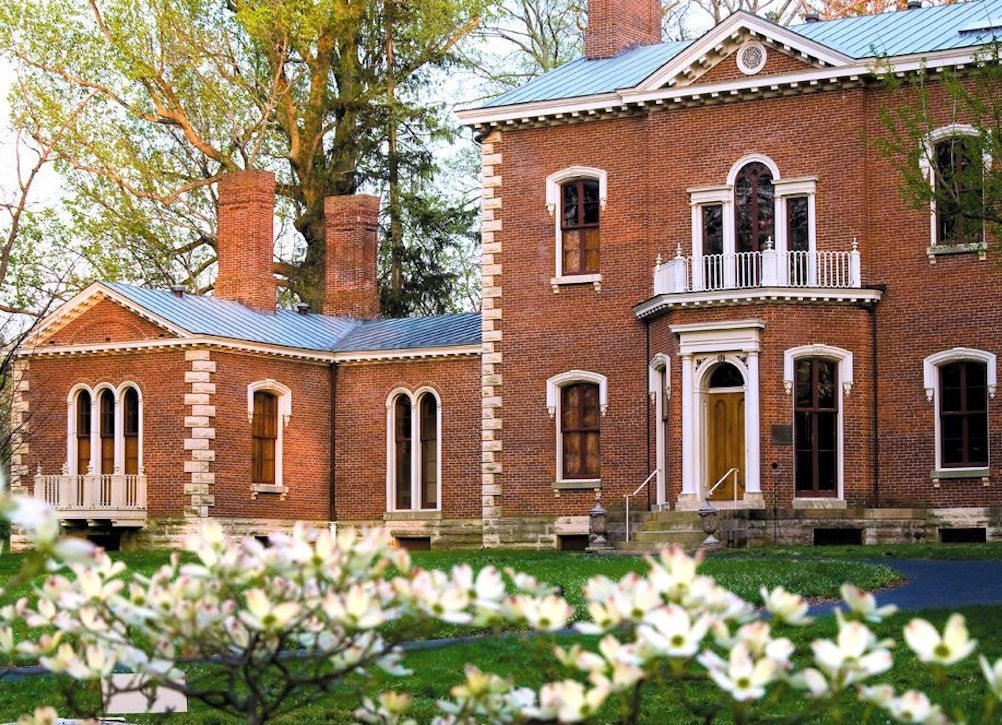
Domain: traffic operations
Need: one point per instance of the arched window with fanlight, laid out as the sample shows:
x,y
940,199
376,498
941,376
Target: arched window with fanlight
x,y
82,413
754,207
130,429
414,451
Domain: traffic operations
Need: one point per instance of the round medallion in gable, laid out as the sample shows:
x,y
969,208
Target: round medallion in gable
x,y
751,58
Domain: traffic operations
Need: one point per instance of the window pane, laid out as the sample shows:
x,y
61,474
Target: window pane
x,y
572,251
977,431
826,384
592,461
804,384
572,455
976,386
590,214
713,229
804,471
429,452
826,471
402,427
591,250
570,205
796,217
827,431
132,455
131,412
107,406
83,413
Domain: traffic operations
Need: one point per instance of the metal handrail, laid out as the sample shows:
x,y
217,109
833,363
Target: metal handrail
x,y
627,496
714,487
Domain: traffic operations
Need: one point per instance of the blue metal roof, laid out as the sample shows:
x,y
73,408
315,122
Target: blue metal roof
x,y
201,315
583,77
906,32
411,332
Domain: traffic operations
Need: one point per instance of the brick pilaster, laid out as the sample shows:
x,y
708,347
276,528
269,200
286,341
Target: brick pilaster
x,y
491,375
201,432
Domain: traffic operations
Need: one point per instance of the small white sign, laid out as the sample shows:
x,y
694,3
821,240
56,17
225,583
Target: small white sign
x,y
126,695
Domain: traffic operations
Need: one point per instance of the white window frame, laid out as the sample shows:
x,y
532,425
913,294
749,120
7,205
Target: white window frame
x,y
553,388
928,167
554,183
284,404
844,359
391,449
784,188
930,380
118,396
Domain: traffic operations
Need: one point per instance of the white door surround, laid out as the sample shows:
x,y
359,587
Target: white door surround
x,y
701,347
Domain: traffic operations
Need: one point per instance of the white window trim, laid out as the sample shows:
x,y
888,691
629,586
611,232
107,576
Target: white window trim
x,y
930,380
391,449
829,352
724,196
844,359
928,168
118,395
553,185
284,396
553,387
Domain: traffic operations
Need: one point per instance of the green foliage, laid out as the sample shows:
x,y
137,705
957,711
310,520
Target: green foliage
x,y
159,98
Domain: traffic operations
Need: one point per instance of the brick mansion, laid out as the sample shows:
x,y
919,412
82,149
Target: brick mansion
x,y
700,282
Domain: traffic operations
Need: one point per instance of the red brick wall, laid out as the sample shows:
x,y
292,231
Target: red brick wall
x,y
651,161
306,446
159,376
615,25
106,321
360,446
776,63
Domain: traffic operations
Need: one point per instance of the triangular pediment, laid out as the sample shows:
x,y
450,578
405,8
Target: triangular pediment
x,y
716,56
99,314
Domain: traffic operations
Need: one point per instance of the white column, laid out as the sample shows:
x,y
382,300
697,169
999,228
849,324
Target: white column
x,y
119,433
697,248
95,434
730,246
659,437
690,483
752,428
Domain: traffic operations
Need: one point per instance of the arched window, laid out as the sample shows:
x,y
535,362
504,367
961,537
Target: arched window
x,y
130,429
106,430
580,431
963,414
429,451
754,207
958,190
83,430
264,434
402,426
414,456
579,224
815,431
961,381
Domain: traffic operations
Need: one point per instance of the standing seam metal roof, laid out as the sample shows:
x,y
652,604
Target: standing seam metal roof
x,y
201,315
905,32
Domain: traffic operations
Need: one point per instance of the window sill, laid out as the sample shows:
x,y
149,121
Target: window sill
x,y
942,250
958,473
419,515
582,484
572,279
270,488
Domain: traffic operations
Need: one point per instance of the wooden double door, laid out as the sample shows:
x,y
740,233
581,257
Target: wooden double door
x,y
725,444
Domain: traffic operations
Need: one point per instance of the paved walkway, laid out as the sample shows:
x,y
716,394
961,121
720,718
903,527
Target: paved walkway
x,y
940,584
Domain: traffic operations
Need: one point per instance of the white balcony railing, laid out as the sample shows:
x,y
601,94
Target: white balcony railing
x,y
118,497
768,268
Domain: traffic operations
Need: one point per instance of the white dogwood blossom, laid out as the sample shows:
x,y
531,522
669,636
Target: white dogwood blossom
x,y
954,645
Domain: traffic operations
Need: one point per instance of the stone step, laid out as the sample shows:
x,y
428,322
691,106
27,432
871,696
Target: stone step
x,y
658,539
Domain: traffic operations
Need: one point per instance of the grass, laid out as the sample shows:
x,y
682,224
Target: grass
x,y
529,661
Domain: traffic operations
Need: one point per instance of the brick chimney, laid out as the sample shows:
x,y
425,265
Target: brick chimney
x,y
615,25
245,245
351,231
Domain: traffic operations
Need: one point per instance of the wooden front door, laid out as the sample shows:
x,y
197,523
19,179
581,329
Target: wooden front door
x,y
726,444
